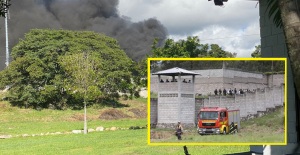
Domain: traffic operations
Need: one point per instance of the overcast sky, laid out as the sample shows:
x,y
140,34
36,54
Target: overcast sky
x,y
235,26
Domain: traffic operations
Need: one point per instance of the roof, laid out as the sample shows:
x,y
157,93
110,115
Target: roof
x,y
175,71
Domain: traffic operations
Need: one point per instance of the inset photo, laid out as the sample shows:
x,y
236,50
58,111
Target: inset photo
x,y
217,101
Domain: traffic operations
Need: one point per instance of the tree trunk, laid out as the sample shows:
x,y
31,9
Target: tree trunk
x,y
291,25
85,121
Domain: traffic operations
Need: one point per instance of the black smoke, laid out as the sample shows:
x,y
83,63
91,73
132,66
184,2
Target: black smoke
x,y
96,15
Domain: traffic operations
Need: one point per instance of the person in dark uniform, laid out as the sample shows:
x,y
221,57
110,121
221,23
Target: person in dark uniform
x,y
230,92
216,92
241,91
179,130
224,92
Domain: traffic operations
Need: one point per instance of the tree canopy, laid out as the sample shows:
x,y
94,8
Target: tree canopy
x,y
257,52
189,48
192,48
40,73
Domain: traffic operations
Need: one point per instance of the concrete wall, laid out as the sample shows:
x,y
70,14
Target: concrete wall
x,y
199,103
249,104
176,102
220,79
275,80
187,109
153,111
167,109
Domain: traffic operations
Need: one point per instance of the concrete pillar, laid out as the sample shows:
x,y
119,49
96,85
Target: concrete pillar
x,y
158,83
193,84
256,104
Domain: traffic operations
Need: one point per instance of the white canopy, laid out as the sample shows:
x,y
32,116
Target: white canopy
x,y
175,72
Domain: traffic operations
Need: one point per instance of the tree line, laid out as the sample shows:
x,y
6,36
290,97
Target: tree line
x,y
55,67
265,67
64,69
192,48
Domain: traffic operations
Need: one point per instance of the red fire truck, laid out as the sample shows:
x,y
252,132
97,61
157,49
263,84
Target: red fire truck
x,y
216,120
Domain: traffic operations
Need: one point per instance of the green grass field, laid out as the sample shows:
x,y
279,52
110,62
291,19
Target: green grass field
x,y
36,124
108,142
268,129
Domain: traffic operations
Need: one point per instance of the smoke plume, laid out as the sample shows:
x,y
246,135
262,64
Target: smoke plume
x,y
95,15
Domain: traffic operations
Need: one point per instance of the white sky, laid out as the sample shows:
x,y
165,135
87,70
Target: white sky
x,y
235,27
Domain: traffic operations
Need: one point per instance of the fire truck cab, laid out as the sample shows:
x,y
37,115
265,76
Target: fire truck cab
x,y
217,120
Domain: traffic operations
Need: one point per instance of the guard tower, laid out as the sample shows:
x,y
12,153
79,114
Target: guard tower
x,y
176,98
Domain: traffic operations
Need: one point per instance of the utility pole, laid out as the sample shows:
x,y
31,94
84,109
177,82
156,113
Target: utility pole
x,y
6,35
85,60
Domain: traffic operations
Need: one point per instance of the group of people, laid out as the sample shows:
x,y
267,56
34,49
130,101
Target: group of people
x,y
228,92
184,81
167,80
175,80
234,91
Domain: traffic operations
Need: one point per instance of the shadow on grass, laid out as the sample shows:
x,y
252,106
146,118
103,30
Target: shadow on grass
x,y
114,104
101,105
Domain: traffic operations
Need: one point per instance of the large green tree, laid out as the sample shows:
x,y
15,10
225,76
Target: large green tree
x,y
40,77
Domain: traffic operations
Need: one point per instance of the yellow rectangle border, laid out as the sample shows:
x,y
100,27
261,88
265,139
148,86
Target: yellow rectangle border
x,y
217,59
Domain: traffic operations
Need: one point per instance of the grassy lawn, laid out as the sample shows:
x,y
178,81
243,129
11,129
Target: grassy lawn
x,y
119,142
267,129
17,122
246,138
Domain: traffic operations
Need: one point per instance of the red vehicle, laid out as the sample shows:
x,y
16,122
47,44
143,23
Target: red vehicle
x,y
216,120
